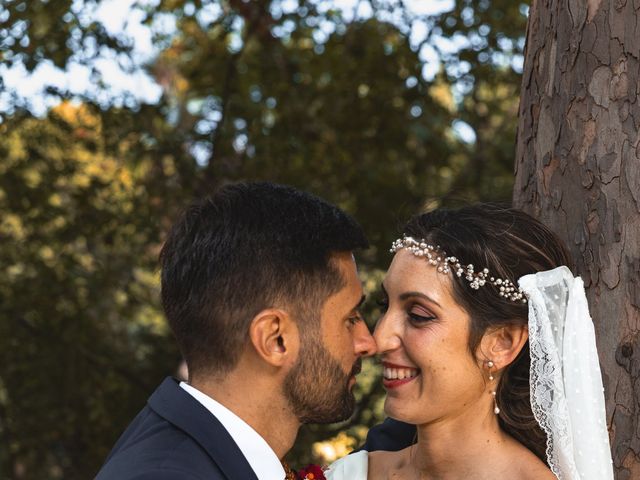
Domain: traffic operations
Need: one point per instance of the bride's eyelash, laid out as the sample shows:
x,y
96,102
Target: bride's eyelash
x,y
420,318
416,318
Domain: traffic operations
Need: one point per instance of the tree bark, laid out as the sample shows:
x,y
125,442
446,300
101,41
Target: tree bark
x,y
578,170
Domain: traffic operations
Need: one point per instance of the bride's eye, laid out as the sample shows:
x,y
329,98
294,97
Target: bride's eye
x,y
420,315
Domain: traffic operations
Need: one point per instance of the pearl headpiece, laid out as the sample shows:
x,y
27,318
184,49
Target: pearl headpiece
x,y
445,264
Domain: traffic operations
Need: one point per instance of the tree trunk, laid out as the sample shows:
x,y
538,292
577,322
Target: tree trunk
x,y
578,170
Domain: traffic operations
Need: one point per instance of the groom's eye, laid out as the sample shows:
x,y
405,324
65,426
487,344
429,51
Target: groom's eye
x,y
355,318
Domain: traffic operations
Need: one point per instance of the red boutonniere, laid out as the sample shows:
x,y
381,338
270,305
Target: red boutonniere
x,y
311,472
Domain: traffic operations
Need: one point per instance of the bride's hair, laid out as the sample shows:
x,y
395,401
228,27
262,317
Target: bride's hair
x,y
510,244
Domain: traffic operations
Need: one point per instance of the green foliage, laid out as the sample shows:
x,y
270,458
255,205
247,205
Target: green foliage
x,y
34,31
80,323
342,129
253,90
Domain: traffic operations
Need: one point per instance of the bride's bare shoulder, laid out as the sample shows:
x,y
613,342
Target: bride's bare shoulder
x,y
381,462
381,456
537,471
378,461
530,467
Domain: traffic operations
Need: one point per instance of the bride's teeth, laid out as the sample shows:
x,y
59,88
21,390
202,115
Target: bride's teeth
x,y
399,373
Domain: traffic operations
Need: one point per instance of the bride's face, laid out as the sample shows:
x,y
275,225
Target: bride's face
x,y
422,339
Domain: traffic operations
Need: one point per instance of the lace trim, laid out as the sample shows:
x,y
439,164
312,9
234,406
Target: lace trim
x,y
548,400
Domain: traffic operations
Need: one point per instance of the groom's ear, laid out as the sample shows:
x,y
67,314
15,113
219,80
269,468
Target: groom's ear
x,y
274,336
503,344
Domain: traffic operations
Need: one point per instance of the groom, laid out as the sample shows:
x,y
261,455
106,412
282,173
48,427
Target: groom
x,y
261,291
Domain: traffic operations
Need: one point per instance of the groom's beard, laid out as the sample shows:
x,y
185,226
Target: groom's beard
x,y
317,388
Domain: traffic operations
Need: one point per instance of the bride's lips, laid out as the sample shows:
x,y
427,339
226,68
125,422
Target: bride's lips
x,y
395,375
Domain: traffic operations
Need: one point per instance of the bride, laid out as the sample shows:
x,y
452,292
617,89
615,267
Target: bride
x,y
482,319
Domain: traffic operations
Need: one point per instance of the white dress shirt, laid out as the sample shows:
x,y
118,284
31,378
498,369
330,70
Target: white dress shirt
x,y
264,462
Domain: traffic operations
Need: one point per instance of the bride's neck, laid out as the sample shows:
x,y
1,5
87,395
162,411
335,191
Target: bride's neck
x,y
457,447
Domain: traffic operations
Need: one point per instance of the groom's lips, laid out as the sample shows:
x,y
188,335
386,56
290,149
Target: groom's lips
x,y
357,367
355,370
395,375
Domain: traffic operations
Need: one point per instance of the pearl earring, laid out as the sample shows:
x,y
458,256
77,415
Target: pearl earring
x,y
496,410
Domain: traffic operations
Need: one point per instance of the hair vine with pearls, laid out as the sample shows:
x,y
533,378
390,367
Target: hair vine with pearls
x,y
445,264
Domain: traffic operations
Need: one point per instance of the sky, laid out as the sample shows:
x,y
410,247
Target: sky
x,y
122,17
118,17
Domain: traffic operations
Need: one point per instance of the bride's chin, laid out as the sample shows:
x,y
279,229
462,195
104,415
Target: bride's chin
x,y
398,410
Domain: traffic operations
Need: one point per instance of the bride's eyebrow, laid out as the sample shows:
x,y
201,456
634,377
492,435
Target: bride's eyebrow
x,y
406,295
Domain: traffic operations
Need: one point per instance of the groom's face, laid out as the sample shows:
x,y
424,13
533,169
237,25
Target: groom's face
x,y
319,387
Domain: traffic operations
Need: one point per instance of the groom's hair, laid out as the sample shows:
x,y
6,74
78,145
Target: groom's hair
x,y
248,247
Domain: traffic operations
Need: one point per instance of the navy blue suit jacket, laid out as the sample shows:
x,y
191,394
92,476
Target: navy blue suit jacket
x,y
175,438
390,435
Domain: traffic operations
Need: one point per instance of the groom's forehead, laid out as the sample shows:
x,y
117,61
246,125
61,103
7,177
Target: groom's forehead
x,y
348,269
351,293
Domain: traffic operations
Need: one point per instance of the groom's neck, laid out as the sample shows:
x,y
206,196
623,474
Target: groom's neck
x,y
258,400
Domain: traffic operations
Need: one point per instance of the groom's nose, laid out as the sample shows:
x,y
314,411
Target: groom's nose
x,y
364,343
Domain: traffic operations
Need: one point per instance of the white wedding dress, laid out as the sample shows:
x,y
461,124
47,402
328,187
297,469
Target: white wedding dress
x,y
351,467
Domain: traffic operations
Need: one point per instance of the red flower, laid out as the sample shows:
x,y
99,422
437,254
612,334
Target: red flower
x,y
311,472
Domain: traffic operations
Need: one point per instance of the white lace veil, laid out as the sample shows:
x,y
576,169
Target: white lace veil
x,y
566,386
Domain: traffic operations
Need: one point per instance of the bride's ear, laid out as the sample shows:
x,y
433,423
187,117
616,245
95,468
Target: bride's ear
x,y
503,344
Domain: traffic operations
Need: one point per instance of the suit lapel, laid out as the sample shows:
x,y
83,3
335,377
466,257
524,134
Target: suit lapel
x,y
174,404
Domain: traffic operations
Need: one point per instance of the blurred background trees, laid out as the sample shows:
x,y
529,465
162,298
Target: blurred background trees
x,y
382,107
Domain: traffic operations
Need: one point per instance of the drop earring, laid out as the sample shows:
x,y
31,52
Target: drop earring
x,y
496,409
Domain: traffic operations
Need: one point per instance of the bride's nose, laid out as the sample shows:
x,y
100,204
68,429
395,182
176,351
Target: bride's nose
x,y
387,333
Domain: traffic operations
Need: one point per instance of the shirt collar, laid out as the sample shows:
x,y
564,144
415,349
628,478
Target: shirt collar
x,y
261,457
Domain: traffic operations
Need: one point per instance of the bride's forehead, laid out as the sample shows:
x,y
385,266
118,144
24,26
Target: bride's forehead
x,y
406,263
408,270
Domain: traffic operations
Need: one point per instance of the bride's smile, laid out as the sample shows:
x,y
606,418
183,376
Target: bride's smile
x,y
396,375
